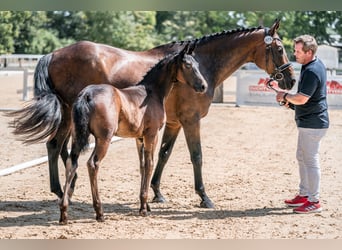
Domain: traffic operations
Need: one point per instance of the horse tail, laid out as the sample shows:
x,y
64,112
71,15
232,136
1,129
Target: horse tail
x,y
42,116
81,118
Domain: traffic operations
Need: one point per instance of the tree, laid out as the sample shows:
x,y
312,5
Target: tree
x,y
44,31
185,25
7,33
125,29
68,24
32,34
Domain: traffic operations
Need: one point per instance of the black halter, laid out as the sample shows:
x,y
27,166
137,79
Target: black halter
x,y
277,75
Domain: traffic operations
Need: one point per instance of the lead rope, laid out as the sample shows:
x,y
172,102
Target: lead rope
x,y
270,86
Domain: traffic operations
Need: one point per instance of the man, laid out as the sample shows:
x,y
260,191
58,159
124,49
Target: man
x,y
312,119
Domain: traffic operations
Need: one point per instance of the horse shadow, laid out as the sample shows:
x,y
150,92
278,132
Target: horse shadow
x,y
46,212
217,214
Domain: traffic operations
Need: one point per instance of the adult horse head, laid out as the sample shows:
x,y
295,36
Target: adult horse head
x,y
273,59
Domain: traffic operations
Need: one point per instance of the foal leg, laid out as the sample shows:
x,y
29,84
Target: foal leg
x,y
140,148
93,164
64,154
193,139
70,171
146,173
141,153
168,141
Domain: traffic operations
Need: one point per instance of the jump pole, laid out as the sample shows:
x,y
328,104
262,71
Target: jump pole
x,y
38,161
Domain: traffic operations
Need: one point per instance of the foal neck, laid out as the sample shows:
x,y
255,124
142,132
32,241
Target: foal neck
x,y
159,79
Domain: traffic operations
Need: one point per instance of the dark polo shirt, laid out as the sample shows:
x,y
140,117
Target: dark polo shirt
x,y
312,83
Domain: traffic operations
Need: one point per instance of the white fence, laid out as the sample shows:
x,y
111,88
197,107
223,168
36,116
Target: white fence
x,y
23,63
18,61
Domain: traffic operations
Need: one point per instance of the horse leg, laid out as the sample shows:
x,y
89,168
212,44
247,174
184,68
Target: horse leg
x,y
168,141
64,154
70,171
141,153
140,148
93,165
54,147
146,173
193,139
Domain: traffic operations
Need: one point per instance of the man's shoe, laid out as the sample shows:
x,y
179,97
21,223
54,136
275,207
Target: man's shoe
x,y
296,201
308,207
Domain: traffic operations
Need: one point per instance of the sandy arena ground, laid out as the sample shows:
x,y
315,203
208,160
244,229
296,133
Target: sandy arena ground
x,y
249,168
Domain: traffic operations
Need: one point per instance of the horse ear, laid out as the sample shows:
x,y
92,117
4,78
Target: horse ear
x,y
192,47
186,49
274,27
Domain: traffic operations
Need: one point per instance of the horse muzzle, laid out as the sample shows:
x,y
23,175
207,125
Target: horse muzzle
x,y
284,76
201,87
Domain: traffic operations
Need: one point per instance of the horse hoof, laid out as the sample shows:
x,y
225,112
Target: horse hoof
x,y
207,204
63,221
143,213
158,199
100,218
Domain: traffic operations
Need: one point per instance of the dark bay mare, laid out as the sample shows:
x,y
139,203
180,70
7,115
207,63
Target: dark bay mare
x,y
135,112
62,74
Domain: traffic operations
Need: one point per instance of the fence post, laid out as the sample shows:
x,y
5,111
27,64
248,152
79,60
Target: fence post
x,y
218,94
25,87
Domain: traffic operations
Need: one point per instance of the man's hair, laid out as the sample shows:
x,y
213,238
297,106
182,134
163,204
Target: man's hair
x,y
309,43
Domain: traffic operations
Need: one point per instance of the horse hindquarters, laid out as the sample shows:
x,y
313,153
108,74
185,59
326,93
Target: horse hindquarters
x,y
80,113
86,112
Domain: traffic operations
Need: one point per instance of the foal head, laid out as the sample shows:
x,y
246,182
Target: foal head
x,y
188,69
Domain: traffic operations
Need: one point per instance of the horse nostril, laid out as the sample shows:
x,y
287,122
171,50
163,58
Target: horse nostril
x,y
203,88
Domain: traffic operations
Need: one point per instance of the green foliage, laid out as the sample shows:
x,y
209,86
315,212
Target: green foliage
x,y
40,32
126,29
6,33
185,25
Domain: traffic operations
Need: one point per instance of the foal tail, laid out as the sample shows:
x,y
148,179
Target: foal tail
x,y
42,116
81,118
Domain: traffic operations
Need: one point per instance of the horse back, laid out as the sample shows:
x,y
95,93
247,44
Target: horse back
x,y
84,63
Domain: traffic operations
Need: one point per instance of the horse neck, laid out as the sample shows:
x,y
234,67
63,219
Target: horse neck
x,y
221,55
159,80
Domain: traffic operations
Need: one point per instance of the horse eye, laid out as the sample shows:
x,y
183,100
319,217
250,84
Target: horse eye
x,y
188,65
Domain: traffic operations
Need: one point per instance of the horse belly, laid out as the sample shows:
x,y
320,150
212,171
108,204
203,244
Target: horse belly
x,y
129,130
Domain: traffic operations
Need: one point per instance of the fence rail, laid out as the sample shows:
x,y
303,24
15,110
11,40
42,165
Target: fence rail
x,y
19,61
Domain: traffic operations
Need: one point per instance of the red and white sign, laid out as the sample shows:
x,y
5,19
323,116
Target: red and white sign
x,y
252,90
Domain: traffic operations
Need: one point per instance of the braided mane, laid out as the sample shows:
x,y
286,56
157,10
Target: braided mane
x,y
218,35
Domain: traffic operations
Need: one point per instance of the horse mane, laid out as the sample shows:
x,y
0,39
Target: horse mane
x,y
159,65
216,35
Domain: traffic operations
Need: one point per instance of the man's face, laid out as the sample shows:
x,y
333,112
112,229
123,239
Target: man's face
x,y
301,56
